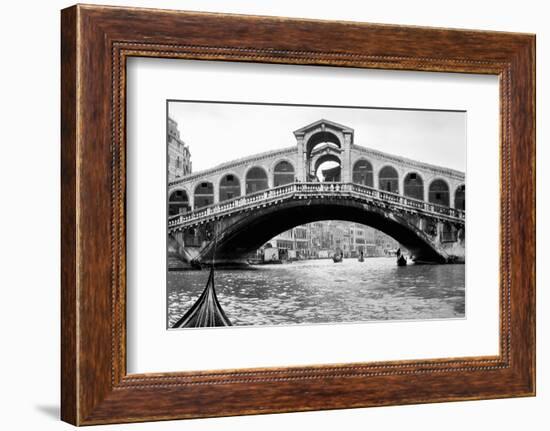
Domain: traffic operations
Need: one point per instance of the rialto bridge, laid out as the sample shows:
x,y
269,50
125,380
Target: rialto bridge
x,y
234,208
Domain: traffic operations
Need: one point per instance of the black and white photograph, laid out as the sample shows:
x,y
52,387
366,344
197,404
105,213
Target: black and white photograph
x,y
252,215
283,214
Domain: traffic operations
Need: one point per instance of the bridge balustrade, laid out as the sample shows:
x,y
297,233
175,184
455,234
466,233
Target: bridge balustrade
x,y
414,203
366,190
389,197
311,188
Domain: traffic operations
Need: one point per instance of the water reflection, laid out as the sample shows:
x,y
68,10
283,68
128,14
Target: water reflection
x,y
320,291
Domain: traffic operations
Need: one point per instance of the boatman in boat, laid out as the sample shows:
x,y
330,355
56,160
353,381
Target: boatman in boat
x,y
401,259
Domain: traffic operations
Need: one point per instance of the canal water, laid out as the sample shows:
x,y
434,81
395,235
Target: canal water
x,y
321,291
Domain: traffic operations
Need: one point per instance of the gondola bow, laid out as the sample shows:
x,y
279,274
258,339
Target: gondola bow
x,y
207,311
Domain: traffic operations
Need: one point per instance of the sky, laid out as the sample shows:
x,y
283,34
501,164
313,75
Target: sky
x,y
218,133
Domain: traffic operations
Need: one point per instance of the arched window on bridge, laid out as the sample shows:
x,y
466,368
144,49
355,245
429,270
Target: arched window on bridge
x,y
204,195
388,180
178,203
362,173
413,186
439,193
460,197
283,174
256,180
230,187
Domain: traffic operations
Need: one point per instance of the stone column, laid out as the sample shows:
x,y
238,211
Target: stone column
x,y
401,181
243,183
191,197
216,189
300,159
452,190
427,180
375,169
346,159
270,178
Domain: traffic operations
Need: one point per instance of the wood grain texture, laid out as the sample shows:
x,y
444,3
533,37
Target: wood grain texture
x,y
68,218
96,41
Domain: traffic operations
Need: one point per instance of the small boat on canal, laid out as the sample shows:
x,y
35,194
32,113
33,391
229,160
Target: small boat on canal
x,y
206,311
401,259
338,256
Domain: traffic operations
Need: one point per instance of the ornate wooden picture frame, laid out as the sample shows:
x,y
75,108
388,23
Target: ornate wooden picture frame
x,y
96,41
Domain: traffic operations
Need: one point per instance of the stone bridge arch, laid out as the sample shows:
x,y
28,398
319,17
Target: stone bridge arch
x,y
244,233
229,186
328,156
460,197
284,171
363,172
179,201
388,179
256,179
439,192
414,185
323,136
